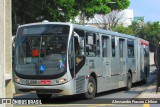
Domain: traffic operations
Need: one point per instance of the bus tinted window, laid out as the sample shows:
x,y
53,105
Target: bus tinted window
x,y
121,54
91,44
130,47
113,47
42,46
44,29
104,46
80,34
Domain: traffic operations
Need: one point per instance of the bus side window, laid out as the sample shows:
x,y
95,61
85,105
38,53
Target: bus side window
x,y
130,47
104,46
71,56
98,46
113,47
80,42
79,47
91,44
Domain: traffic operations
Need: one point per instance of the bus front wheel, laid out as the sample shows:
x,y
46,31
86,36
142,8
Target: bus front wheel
x,y
91,88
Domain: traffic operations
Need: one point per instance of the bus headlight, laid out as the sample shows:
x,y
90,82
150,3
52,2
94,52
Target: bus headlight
x,y
61,80
18,80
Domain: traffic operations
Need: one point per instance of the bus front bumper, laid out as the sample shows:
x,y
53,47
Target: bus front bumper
x,y
62,89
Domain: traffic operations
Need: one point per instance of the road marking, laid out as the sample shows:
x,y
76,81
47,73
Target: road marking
x,y
23,106
104,104
136,106
88,105
146,105
48,105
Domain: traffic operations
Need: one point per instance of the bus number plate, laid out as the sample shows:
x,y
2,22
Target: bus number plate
x,y
45,82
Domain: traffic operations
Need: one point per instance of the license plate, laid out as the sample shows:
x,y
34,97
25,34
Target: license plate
x,y
45,82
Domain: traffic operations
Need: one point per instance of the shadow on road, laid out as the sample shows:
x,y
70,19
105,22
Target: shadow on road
x,y
78,99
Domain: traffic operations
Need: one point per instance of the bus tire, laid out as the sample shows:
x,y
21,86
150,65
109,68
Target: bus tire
x,y
91,88
44,96
129,81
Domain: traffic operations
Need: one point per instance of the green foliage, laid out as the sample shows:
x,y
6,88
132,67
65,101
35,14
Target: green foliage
x,y
60,10
151,32
119,5
148,31
29,11
125,30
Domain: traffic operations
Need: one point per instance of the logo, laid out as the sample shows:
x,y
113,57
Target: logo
x,y
42,68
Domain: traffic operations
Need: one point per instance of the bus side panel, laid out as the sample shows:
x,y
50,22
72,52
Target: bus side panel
x,y
81,81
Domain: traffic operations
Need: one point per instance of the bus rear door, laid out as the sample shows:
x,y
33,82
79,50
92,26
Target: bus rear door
x,y
122,61
106,55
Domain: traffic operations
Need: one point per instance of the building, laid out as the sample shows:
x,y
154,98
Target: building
x,y
124,18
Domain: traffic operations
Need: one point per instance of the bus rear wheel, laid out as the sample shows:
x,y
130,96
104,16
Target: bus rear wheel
x,y
129,81
91,88
44,96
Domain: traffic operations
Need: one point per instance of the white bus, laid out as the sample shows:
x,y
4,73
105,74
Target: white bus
x,y
67,59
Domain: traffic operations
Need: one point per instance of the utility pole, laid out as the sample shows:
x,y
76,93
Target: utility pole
x,y
6,51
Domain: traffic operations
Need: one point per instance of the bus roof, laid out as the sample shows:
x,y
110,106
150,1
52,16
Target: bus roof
x,y
82,27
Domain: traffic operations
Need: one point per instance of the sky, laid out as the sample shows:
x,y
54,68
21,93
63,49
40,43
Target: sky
x,y
149,9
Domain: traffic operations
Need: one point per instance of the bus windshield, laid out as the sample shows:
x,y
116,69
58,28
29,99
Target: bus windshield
x,y
41,51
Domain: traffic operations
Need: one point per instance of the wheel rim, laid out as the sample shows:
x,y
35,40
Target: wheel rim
x,y
90,87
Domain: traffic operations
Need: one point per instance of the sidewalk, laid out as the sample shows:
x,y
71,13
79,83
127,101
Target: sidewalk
x,y
150,92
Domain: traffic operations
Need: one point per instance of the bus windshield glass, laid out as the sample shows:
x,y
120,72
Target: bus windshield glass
x,y
41,50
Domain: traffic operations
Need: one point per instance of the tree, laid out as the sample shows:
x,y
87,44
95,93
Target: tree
x,y
91,7
28,11
110,20
148,31
124,30
151,32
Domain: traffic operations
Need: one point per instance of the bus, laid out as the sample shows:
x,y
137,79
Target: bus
x,y
67,59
